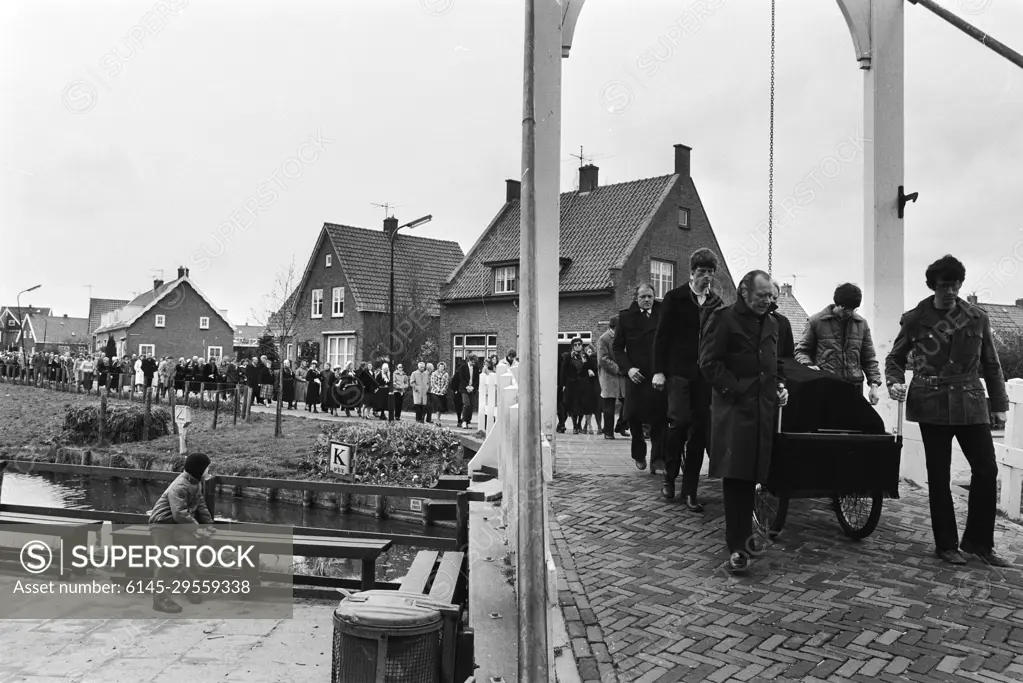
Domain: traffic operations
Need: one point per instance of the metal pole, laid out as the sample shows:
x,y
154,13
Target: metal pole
x,y
390,338
532,580
972,31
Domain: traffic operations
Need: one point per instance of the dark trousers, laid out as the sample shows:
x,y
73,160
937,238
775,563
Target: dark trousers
x,y
469,403
610,426
657,437
975,440
738,499
688,425
396,401
420,412
562,413
458,405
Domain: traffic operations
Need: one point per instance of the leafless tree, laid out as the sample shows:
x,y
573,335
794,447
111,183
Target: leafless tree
x,y
414,324
280,318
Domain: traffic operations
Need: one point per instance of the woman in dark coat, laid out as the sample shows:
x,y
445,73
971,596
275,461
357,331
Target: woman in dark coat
x,y
288,385
102,368
593,408
383,395
369,388
328,402
312,392
575,371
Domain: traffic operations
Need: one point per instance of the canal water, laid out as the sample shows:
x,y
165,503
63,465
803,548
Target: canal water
x,y
120,495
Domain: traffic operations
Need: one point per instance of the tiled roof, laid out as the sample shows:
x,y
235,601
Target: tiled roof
x,y
421,263
249,331
147,297
52,328
790,307
97,307
1004,317
25,310
597,229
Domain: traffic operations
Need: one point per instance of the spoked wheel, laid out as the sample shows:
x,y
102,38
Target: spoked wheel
x,y
769,511
858,514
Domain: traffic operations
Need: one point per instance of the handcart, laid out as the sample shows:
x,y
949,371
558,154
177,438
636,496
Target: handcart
x,y
857,471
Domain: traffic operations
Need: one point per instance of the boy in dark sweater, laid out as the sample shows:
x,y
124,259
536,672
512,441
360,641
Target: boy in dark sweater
x,y
684,311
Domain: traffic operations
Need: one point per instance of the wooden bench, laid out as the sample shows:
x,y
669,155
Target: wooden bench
x,y
69,530
365,550
444,578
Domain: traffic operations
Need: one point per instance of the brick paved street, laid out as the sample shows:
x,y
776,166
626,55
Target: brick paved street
x,y
646,598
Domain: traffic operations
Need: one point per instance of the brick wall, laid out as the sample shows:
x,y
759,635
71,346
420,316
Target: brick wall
x,y
308,328
180,336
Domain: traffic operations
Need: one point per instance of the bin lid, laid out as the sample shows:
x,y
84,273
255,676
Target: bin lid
x,y
389,610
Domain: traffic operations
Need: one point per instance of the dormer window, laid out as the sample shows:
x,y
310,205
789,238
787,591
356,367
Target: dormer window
x,y
330,261
683,218
505,279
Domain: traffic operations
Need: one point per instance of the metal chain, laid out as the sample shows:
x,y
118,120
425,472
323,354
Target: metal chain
x,y
770,172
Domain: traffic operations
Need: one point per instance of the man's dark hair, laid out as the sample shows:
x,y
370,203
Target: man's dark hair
x,y
848,296
947,268
746,283
703,258
613,322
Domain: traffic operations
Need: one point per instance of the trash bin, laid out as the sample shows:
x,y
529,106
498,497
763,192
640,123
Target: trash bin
x,y
383,636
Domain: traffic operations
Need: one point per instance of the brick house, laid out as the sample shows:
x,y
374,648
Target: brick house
x,y
10,323
99,307
789,306
172,319
52,333
344,292
612,238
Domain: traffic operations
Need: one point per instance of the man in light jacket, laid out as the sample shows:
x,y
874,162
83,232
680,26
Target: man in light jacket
x,y
837,340
612,387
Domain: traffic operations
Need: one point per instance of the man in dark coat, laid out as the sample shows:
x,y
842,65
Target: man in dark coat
x,y
684,311
251,372
467,384
634,353
149,369
952,347
739,357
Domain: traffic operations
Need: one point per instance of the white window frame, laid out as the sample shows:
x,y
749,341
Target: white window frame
x,y
204,322
291,352
161,320
143,347
329,261
316,308
567,337
683,218
506,280
461,348
339,350
662,282
219,355
337,302
11,322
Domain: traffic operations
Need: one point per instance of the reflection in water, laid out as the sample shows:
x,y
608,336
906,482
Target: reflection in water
x,y
133,496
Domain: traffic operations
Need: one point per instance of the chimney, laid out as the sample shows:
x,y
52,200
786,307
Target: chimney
x,y
390,225
682,160
588,178
786,289
972,299
182,272
512,190
157,284
1019,302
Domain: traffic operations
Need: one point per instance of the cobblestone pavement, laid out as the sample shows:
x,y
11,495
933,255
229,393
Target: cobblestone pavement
x,y
646,597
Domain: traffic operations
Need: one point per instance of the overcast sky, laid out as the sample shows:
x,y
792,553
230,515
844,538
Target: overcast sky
x,y
129,139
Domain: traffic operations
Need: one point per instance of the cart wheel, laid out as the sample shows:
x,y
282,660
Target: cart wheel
x,y
769,511
858,514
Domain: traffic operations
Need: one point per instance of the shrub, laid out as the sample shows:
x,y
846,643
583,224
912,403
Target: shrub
x,y
124,423
1010,352
396,454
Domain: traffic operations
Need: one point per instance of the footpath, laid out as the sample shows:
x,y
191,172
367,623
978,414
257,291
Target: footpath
x,y
646,599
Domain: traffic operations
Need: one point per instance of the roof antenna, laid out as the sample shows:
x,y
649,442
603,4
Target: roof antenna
x,y
387,206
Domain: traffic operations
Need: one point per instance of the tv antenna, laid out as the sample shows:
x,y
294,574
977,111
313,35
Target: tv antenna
x,y
585,159
387,206
794,276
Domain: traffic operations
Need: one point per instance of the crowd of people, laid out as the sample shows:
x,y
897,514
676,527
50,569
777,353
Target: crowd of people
x,y
696,376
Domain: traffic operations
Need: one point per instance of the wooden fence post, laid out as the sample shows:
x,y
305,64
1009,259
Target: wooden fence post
x,y
147,417
102,418
248,404
202,394
216,408
462,521
236,390
172,393
209,493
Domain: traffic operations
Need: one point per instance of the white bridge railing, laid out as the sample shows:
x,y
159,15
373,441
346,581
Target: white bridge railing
x,y
499,418
1009,453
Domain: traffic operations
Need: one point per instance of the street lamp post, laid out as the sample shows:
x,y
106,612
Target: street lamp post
x,y
21,322
390,308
